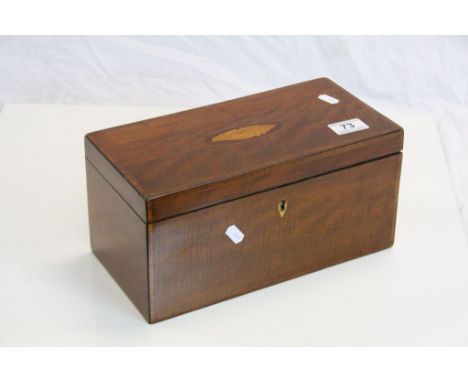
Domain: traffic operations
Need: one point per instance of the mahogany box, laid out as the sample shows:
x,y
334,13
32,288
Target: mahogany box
x,y
193,208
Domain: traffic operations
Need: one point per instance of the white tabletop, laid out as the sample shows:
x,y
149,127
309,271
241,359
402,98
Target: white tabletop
x,y
53,291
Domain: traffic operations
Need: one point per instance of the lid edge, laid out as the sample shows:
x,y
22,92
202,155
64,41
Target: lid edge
x,y
115,179
278,175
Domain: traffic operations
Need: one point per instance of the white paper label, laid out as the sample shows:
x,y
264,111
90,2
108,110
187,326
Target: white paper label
x,y
329,99
235,234
349,126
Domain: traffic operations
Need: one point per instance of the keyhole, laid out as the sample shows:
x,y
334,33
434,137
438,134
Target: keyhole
x,y
282,207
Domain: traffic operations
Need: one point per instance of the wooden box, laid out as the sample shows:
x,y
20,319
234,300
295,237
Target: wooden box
x,y
197,207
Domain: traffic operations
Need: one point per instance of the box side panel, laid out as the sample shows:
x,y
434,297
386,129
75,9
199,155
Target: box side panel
x,y
328,219
118,239
395,196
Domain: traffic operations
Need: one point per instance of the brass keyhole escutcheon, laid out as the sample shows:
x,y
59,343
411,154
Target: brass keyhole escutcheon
x,y
282,206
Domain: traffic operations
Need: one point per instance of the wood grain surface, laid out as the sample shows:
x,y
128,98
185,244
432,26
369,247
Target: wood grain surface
x,y
118,239
170,166
330,219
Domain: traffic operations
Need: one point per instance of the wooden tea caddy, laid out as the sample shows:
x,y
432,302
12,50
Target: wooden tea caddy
x,y
200,206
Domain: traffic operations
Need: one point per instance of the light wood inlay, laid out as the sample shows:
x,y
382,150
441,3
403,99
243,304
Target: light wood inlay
x,y
243,133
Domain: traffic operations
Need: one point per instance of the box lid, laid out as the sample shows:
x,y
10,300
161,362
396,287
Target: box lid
x,y
182,162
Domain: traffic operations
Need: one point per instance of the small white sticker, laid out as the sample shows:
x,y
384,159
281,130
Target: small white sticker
x,y
349,126
235,234
329,99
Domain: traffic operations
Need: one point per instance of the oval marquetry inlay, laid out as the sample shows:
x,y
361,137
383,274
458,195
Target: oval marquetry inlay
x,y
243,133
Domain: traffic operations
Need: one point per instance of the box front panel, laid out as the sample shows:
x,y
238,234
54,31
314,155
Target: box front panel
x,y
223,251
